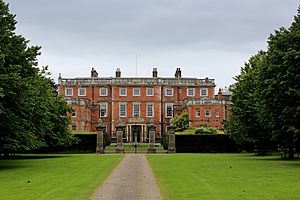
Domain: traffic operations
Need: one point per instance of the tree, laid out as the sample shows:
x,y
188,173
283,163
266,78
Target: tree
x,y
244,125
266,96
32,115
181,122
280,86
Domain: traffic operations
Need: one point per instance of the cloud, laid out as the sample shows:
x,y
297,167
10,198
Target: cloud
x,y
206,38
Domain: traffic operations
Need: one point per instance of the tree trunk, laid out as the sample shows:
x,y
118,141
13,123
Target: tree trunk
x,y
291,151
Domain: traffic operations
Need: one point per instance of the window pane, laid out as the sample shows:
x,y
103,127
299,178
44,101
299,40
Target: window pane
x,y
136,91
207,112
197,112
122,110
123,92
149,110
136,110
217,113
191,92
69,92
169,110
169,92
149,91
103,91
103,110
204,92
81,92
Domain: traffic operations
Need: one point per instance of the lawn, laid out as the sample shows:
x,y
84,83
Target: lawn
x,y
54,176
225,176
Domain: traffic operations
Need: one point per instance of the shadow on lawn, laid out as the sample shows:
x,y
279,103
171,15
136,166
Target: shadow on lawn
x,y
26,157
14,162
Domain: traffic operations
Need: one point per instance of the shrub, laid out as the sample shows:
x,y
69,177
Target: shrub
x,y
165,141
205,131
181,122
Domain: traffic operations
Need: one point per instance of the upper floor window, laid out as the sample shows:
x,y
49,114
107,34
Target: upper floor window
x,y
169,110
169,91
103,91
150,92
103,109
123,110
207,112
150,110
136,92
74,113
204,92
217,113
136,110
197,111
69,91
191,92
81,91
123,91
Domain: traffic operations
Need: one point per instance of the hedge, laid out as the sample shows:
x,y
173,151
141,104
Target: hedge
x,y
205,143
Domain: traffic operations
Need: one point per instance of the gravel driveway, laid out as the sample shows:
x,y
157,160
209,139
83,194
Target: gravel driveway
x,y
132,179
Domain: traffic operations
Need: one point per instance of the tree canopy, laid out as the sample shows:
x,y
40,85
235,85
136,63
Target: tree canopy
x,y
266,95
181,122
32,114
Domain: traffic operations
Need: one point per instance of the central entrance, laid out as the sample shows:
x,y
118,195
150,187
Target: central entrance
x,y
136,133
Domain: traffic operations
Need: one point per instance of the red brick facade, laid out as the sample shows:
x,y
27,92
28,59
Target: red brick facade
x,y
138,102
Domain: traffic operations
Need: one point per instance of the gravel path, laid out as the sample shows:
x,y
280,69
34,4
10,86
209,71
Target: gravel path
x,y
132,179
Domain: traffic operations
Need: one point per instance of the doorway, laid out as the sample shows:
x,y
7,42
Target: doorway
x,y
136,133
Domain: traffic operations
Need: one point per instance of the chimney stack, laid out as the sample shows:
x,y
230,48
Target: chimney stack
x,y
154,72
220,97
118,73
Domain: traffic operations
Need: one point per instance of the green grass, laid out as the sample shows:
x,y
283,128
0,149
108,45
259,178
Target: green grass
x,y
209,176
82,132
54,176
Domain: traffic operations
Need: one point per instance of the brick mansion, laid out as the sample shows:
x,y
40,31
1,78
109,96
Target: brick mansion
x,y
140,101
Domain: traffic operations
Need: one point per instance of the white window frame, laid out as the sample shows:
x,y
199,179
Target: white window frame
x,y
134,106
79,92
74,113
103,105
152,110
197,114
166,92
66,92
206,92
125,92
170,105
134,90
188,92
207,112
151,93
217,113
120,111
103,89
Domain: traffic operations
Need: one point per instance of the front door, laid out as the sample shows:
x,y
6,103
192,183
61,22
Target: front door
x,y
136,133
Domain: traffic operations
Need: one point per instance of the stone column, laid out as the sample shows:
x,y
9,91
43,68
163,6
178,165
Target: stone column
x,y
99,145
119,130
151,148
171,134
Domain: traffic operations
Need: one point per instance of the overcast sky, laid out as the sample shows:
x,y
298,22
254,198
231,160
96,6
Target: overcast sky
x,y
205,38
